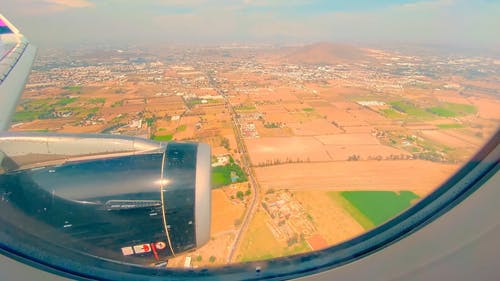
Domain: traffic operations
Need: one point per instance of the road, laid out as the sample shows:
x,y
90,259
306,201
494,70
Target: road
x,y
247,167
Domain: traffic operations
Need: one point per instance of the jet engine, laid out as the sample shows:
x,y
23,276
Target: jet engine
x,y
140,207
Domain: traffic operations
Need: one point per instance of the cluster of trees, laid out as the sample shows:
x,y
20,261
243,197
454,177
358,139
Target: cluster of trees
x,y
392,157
430,156
211,259
221,175
279,162
292,240
353,157
240,194
225,143
273,125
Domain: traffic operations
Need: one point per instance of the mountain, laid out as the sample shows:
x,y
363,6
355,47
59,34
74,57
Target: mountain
x,y
325,53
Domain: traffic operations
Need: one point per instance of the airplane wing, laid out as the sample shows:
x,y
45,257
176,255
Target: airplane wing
x,y
16,58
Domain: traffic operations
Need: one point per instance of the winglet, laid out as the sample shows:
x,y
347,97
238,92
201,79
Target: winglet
x,y
16,58
6,26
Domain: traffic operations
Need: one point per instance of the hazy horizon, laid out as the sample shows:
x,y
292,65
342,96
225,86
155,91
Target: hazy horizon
x,y
69,23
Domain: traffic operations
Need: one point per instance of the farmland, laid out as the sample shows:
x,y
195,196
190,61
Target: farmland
x,y
379,206
333,150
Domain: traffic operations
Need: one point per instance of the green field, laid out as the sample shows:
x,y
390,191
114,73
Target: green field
x,y
452,109
25,116
450,126
378,206
392,114
411,110
97,100
73,88
181,128
117,103
65,101
364,221
446,109
245,107
163,138
33,109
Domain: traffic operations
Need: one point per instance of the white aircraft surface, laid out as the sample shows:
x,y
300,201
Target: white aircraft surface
x,y
453,234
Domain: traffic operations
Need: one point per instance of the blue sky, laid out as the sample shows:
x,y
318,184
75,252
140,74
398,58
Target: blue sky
x,y
50,23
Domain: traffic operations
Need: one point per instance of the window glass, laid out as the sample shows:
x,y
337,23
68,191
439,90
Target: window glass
x,y
321,126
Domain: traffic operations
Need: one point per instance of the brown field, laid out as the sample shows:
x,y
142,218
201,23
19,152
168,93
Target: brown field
x,y
82,129
293,148
357,129
338,90
284,117
173,105
347,105
224,212
487,107
281,94
450,96
165,126
417,175
313,127
41,124
342,117
271,108
330,112
218,150
268,95
443,137
317,102
214,108
273,132
258,242
187,134
334,223
425,126
295,106
369,116
108,112
467,135
218,247
348,139
222,233
318,148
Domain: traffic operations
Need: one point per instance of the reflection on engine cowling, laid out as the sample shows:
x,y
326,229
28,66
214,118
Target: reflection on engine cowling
x,y
138,208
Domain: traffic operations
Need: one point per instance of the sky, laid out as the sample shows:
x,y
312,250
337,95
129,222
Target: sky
x,y
59,23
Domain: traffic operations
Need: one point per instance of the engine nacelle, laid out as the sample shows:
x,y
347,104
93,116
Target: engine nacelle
x,y
138,208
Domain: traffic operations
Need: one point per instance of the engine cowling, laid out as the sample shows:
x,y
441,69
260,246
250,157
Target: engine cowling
x,y
141,208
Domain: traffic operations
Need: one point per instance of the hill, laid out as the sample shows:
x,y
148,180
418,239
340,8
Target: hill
x,y
325,53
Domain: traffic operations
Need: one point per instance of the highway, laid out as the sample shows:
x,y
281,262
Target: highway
x,y
247,167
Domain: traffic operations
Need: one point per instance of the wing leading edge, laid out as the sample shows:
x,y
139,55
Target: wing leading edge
x,y
16,58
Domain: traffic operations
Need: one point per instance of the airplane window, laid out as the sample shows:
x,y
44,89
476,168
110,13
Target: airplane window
x,y
161,142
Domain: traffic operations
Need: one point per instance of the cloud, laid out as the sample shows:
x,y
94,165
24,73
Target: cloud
x,y
275,3
428,4
44,7
71,3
